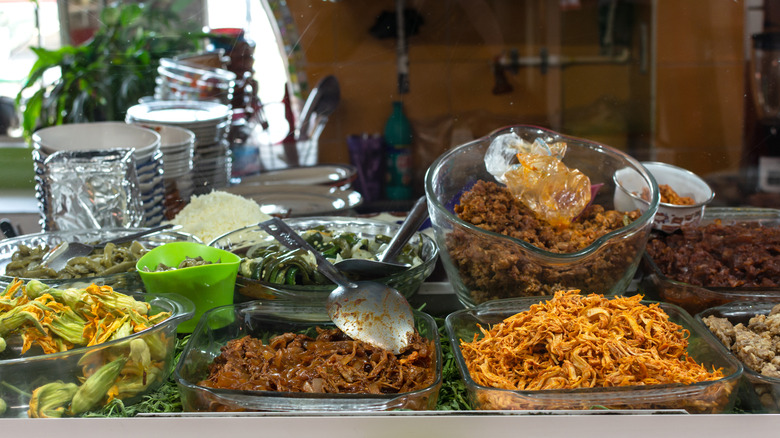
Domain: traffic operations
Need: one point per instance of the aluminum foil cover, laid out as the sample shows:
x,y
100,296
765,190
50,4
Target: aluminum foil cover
x,y
91,189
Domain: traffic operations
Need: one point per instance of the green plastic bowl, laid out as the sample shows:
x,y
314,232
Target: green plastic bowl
x,y
207,286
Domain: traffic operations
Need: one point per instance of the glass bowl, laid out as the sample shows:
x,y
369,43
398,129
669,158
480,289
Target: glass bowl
x,y
128,281
20,375
263,320
717,396
656,285
406,282
759,393
483,265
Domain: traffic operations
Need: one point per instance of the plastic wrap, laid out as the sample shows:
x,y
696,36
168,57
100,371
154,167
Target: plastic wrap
x,y
535,174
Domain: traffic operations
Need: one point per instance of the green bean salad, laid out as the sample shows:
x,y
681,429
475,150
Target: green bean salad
x,y
274,263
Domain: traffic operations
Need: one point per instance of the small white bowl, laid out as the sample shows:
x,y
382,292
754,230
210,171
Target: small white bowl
x,y
669,217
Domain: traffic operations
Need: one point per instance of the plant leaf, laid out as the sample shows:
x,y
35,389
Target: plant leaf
x,y
32,110
129,14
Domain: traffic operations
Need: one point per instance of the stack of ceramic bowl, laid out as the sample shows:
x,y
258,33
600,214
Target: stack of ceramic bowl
x,y
209,122
99,136
177,145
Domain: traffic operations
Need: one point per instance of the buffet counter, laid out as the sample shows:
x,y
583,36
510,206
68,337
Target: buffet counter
x,y
405,424
438,299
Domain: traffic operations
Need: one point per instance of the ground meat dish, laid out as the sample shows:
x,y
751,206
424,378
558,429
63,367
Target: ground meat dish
x,y
493,269
669,196
494,208
719,255
330,362
756,344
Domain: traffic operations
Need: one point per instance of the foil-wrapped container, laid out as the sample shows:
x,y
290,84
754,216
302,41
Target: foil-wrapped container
x,y
90,189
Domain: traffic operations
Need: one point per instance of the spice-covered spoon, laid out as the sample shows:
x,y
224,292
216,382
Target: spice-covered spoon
x,y
365,310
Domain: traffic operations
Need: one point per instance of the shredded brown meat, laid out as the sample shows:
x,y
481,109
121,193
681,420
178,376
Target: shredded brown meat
x,y
494,269
330,363
719,255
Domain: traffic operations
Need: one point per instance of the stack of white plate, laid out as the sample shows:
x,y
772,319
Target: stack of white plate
x,y
105,136
209,122
178,146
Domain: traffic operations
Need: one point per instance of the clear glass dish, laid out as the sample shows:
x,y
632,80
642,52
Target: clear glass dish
x,y
656,285
125,281
260,319
488,265
758,393
710,397
406,282
20,375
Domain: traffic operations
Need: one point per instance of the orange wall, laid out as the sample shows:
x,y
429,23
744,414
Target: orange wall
x,y
697,109
700,85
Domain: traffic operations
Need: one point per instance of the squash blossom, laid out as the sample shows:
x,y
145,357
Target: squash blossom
x,y
51,399
96,387
60,319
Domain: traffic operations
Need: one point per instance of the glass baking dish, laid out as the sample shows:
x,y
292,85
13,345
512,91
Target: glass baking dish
x,y
126,281
261,319
758,393
656,285
21,374
708,397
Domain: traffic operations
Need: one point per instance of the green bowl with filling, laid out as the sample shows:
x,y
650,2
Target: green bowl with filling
x,y
208,282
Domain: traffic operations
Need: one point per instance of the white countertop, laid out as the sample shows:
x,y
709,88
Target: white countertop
x,y
20,207
18,201
402,424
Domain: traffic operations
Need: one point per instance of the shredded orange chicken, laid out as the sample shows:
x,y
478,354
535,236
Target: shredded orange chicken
x,y
584,341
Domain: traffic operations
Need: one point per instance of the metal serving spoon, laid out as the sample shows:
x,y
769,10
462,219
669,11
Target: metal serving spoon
x,y
58,256
385,265
365,310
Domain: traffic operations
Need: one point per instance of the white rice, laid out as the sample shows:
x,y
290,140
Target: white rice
x,y
214,214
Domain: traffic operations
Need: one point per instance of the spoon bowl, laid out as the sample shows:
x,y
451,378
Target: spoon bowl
x,y
368,268
365,310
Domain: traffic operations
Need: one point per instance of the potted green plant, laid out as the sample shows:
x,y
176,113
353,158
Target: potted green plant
x,y
102,78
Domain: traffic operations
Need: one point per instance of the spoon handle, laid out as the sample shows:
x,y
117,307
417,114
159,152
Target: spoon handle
x,y
131,237
410,225
287,236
